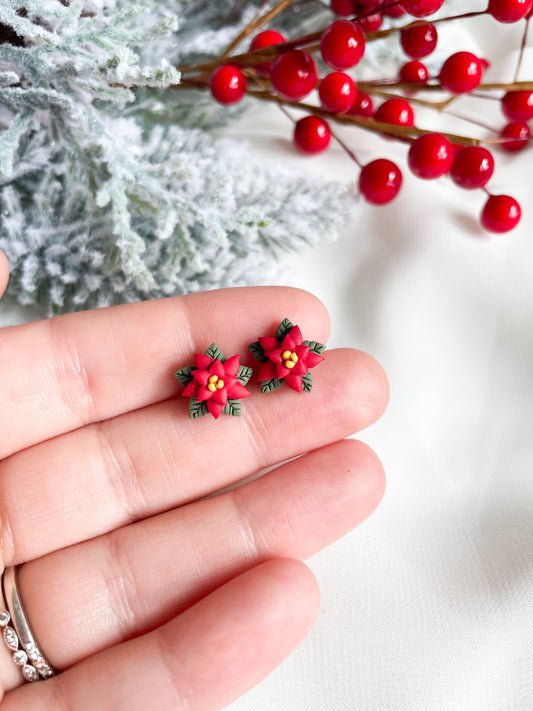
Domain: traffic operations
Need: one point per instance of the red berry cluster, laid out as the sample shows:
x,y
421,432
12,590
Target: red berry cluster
x,y
291,74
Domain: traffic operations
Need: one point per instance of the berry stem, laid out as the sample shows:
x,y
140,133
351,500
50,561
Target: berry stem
x,y
380,34
346,149
310,42
522,49
402,132
369,86
255,23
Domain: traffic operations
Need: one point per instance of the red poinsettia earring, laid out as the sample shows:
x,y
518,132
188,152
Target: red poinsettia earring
x,y
214,384
286,358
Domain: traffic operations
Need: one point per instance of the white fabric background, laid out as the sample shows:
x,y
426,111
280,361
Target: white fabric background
x,y
428,606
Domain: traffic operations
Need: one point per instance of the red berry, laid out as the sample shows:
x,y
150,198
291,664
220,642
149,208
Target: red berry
x,y
461,73
293,74
485,64
371,23
228,84
472,167
337,92
394,11
344,7
342,44
414,72
518,135
501,213
419,39
396,111
267,38
362,106
380,181
509,10
311,134
421,8
430,156
518,105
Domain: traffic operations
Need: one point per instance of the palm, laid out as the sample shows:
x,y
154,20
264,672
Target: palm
x,y
144,593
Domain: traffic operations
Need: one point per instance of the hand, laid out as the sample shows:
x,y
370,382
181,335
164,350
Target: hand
x,y
141,589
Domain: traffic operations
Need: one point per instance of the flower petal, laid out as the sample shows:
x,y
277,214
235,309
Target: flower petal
x,y
302,351
190,389
281,371
292,339
217,369
275,355
268,343
231,365
201,376
300,368
267,371
203,394
221,396
215,408
237,391
294,382
314,359
203,362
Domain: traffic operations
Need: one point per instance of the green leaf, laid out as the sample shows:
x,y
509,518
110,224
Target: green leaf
x,y
197,409
257,350
184,374
283,329
215,353
233,407
315,347
268,386
307,381
244,374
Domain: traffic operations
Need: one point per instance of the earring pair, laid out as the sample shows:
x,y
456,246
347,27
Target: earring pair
x,y
217,384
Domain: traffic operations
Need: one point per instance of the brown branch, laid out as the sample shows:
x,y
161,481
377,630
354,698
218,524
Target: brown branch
x,y
403,132
256,23
380,34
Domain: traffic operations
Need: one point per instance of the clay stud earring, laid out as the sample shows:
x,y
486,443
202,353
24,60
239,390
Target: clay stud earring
x,y
286,358
215,384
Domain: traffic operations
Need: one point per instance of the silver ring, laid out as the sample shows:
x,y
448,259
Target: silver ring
x,y
20,632
12,642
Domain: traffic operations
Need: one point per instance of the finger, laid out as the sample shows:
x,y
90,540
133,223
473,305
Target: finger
x,y
4,273
121,585
107,475
200,661
61,374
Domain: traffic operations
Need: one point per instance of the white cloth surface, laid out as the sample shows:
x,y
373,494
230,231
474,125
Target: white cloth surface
x,y
428,605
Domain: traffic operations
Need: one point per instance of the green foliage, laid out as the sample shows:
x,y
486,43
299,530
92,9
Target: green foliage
x,y
315,347
307,382
215,353
111,187
283,329
267,386
197,409
258,352
232,407
184,374
244,374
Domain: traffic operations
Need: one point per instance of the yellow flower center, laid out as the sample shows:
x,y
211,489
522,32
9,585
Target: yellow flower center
x,y
289,359
214,383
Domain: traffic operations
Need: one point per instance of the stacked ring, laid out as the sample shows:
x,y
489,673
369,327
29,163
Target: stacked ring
x,y
17,634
